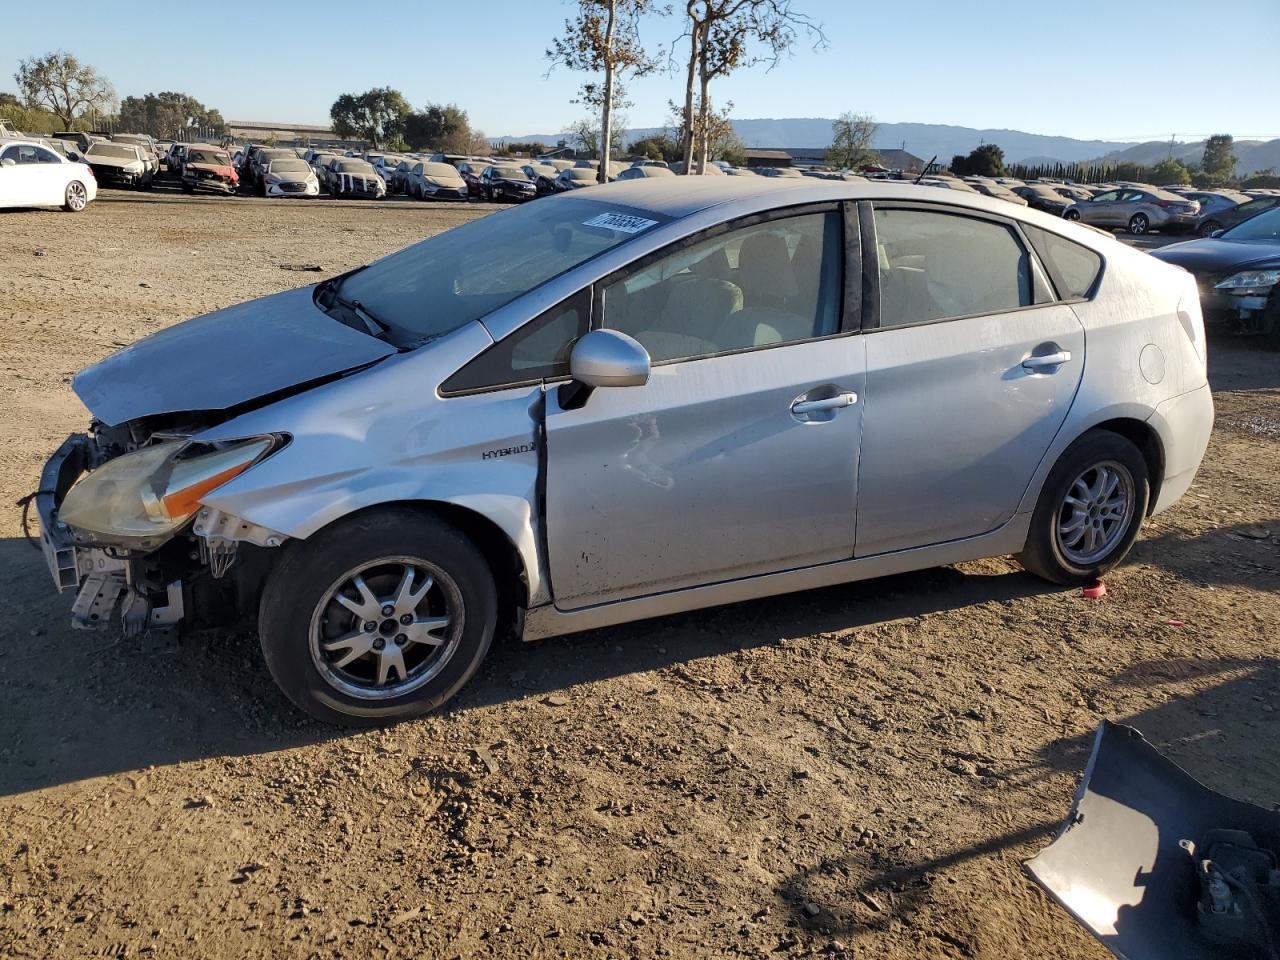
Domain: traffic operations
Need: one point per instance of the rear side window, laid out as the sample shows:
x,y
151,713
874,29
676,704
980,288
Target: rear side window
x,y
1073,268
935,266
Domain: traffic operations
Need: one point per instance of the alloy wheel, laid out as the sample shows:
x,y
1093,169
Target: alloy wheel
x,y
1095,513
77,197
386,627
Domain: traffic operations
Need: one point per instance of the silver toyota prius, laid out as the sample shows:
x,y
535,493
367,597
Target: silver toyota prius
x,y
624,402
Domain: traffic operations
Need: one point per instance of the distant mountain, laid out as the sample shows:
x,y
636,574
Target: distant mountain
x,y
928,139
1251,155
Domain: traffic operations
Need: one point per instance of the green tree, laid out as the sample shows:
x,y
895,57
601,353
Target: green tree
x,y
1262,180
658,147
604,38
1219,163
59,83
986,160
725,36
851,136
1169,171
167,114
442,127
377,115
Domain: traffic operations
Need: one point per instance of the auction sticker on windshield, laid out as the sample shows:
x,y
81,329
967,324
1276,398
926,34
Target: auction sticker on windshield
x,y
622,222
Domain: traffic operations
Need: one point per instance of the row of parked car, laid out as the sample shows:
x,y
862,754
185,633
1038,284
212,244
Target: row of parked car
x,y
1136,207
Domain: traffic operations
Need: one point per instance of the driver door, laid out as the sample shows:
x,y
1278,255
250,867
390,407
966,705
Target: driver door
x,y
739,456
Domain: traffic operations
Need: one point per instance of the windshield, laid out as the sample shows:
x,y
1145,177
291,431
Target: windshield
x,y
1264,227
438,285
509,173
110,150
445,170
581,173
289,166
206,156
355,166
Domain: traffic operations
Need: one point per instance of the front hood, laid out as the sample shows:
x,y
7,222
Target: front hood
x,y
225,358
117,162
1218,256
211,168
441,183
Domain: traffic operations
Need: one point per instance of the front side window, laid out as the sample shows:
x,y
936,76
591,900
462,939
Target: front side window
x,y
935,266
755,286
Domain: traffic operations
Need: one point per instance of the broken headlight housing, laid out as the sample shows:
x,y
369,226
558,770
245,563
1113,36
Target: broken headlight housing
x,y
143,497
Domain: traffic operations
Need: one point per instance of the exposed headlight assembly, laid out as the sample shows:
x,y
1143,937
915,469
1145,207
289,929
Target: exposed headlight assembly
x,y
1247,280
141,498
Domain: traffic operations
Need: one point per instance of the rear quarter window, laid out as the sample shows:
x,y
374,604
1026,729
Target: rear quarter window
x,y
1074,268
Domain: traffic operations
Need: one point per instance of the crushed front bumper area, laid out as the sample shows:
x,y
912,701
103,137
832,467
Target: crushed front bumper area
x,y
105,579
1157,866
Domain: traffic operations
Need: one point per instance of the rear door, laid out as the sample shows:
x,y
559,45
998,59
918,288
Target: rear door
x,y
971,368
739,456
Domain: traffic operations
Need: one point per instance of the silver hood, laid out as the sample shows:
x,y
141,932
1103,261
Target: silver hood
x,y
225,358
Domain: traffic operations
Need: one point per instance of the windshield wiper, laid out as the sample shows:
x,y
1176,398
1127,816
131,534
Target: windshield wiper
x,y
329,291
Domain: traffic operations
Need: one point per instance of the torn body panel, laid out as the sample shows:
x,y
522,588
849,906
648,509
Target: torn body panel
x,y
1156,865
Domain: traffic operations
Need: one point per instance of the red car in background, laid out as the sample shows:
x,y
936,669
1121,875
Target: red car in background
x,y
209,168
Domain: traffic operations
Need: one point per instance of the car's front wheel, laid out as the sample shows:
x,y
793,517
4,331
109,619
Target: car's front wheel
x,y
1139,224
1090,510
1208,228
381,617
1072,215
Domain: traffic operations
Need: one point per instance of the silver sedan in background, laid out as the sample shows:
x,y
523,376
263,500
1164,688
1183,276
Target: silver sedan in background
x,y
1137,209
633,400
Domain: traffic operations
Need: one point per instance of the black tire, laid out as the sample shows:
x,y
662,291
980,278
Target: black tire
x,y
296,598
1207,228
1139,225
187,188
1044,554
1073,215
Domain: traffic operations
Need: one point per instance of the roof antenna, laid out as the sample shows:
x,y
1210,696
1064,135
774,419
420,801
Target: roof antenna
x,y
922,172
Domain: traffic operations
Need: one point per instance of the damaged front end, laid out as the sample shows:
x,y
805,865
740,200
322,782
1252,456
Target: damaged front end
x,y
121,523
1158,866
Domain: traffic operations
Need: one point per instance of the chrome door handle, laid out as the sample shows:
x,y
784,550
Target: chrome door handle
x,y
829,403
1047,362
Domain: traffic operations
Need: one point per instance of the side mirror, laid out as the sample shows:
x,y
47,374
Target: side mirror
x,y
1217,233
607,358
8,162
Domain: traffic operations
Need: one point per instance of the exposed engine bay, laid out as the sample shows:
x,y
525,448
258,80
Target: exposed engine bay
x,y
176,560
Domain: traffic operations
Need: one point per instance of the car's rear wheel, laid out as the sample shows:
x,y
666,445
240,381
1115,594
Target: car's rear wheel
x,y
1090,510
76,197
1139,224
1072,215
1207,228
382,617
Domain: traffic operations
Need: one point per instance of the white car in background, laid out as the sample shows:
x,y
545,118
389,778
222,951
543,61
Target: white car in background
x,y
32,175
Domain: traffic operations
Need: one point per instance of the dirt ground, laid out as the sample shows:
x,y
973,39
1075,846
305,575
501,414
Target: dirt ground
x,y
858,771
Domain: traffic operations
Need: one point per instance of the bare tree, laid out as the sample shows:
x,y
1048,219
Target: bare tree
x,y
605,38
727,35
851,136
60,83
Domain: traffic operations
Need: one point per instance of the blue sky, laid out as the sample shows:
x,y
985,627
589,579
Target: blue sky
x,y
1005,64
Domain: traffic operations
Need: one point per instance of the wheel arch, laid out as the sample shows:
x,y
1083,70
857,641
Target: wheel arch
x,y
1143,436
1129,421
510,573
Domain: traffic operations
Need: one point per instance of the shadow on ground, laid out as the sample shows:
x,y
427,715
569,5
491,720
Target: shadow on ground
x,y
82,704
1227,736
